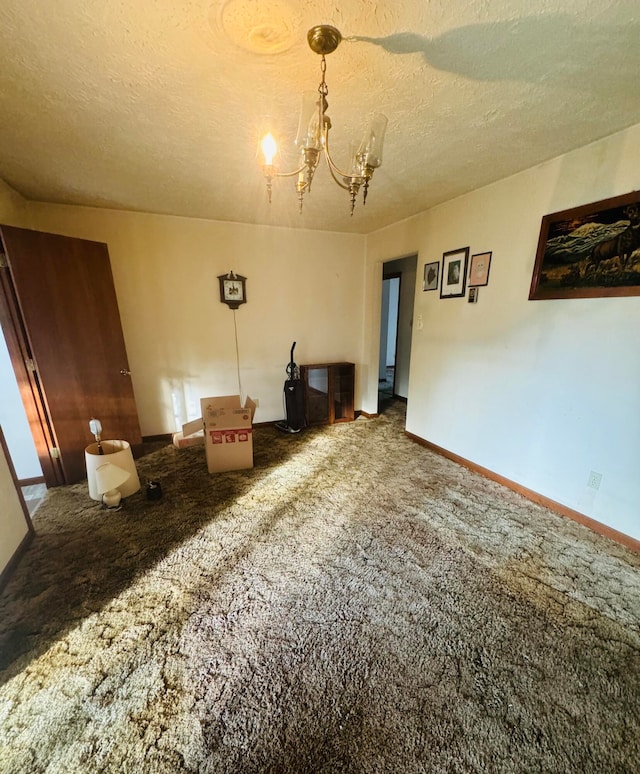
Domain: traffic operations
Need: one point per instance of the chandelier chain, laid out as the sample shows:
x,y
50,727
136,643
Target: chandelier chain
x,y
323,89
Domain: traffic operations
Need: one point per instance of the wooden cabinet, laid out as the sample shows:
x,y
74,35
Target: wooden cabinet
x,y
328,392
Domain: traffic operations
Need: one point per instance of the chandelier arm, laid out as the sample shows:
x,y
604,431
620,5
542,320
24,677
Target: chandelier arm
x,y
290,174
335,169
333,174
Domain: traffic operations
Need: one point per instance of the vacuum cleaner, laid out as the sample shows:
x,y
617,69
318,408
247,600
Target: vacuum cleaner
x,y
294,420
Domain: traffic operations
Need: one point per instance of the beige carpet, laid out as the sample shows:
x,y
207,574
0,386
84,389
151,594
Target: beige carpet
x,y
354,603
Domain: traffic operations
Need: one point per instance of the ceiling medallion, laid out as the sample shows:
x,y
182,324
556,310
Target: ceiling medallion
x,y
262,28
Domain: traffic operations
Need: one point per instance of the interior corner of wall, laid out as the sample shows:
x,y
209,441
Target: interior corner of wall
x,y
14,208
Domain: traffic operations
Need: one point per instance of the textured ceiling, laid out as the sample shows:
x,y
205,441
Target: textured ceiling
x,y
156,105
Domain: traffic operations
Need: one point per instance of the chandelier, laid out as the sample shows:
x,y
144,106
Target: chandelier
x,y
313,135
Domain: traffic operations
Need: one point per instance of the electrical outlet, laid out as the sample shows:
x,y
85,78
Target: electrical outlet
x,y
419,322
594,480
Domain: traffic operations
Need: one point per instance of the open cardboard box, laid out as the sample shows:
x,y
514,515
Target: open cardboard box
x,y
228,432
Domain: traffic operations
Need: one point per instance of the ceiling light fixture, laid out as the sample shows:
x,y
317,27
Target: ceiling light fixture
x,y
313,135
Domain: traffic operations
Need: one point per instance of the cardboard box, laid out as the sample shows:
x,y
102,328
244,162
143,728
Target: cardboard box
x,y
228,433
182,441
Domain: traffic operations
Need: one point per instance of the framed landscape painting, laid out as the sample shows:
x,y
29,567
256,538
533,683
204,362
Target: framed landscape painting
x,y
589,251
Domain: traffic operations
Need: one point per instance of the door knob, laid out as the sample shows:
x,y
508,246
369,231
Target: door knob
x,y
125,372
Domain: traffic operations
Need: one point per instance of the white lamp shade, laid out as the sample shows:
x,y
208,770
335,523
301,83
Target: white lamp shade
x,y
116,455
110,476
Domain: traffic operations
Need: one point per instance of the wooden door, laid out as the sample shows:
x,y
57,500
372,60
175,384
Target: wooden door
x,y
61,312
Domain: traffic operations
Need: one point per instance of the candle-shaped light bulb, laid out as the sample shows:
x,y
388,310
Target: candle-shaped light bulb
x,y
95,425
269,148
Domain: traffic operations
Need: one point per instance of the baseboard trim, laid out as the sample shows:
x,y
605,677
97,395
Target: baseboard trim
x,y
156,438
562,510
368,415
15,559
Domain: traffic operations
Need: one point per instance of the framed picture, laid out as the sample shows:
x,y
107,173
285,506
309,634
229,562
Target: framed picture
x,y
454,273
431,273
479,269
473,295
589,251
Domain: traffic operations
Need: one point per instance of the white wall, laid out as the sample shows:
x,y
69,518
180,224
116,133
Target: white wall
x,y
541,392
302,286
13,525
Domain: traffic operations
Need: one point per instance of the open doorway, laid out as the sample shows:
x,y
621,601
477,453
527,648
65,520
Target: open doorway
x,y
388,338
396,322
20,443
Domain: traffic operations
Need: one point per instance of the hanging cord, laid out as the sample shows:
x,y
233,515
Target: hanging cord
x,y
235,328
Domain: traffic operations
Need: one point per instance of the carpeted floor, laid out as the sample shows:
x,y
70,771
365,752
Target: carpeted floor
x,y
354,603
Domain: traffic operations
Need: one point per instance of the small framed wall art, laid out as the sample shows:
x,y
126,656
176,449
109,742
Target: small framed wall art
x,y
431,274
454,273
479,270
